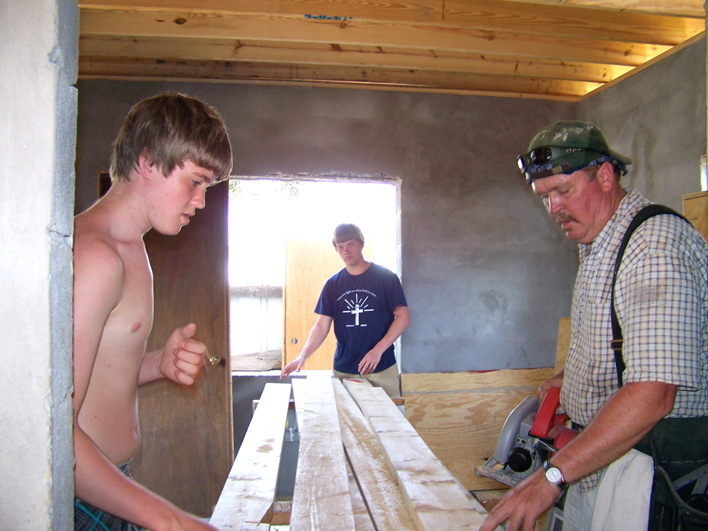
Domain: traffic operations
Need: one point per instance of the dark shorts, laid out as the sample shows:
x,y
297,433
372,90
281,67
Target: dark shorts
x,y
89,518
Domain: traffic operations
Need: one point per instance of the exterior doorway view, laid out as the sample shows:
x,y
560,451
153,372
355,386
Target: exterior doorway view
x,y
280,254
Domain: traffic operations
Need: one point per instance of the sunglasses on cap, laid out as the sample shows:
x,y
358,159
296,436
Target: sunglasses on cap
x,y
545,161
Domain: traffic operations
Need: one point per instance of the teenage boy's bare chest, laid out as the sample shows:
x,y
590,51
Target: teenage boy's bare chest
x,y
131,320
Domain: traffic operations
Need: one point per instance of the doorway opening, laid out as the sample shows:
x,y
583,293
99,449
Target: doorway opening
x,y
268,215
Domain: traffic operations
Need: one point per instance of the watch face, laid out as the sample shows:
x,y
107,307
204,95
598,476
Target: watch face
x,y
554,475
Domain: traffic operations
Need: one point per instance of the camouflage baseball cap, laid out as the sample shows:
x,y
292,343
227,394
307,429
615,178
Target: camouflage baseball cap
x,y
567,146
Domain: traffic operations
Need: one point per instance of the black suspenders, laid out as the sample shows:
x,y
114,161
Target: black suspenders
x,y
641,216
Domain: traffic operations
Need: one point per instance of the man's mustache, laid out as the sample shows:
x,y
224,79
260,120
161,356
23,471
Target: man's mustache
x,y
563,216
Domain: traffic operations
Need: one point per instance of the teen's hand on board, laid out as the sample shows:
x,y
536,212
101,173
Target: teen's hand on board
x,y
369,362
293,366
183,356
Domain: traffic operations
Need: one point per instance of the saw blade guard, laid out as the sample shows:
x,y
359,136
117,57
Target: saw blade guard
x,y
507,437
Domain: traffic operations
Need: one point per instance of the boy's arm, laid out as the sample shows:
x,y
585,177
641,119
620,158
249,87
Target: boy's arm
x,y
180,360
400,323
317,336
98,280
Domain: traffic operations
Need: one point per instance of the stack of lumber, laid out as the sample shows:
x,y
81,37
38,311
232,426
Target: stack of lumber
x,y
361,465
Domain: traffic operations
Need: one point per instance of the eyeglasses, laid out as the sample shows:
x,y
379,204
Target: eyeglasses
x,y
543,154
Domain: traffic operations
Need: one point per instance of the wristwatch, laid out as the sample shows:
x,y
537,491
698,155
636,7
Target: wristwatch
x,y
554,475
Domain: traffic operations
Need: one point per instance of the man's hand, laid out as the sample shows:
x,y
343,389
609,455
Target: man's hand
x,y
369,362
554,381
183,357
523,504
293,366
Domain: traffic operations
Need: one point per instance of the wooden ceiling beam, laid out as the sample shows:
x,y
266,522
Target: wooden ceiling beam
x,y
420,37
682,8
549,49
643,15
477,15
362,57
118,67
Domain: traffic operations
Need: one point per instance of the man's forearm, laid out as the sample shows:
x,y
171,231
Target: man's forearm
x,y
621,423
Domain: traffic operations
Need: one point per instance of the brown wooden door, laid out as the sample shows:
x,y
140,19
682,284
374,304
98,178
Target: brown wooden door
x,y
308,265
187,432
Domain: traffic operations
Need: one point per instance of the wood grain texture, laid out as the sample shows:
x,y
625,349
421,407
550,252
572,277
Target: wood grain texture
x,y
321,499
249,493
460,415
376,480
563,343
695,210
362,518
437,500
546,49
187,431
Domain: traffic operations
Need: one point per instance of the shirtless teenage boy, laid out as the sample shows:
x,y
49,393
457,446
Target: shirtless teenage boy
x,y
169,150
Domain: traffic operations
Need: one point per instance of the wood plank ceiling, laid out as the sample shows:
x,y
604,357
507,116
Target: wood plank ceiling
x,y
551,49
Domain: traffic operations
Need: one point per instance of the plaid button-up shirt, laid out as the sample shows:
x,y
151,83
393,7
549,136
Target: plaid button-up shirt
x,y
661,300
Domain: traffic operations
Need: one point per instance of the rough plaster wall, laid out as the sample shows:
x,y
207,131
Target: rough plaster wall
x,y
658,118
487,274
38,40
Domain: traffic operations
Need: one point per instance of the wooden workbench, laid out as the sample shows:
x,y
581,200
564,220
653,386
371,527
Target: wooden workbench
x,y
361,465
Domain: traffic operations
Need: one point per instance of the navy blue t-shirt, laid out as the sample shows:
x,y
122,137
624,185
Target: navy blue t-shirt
x,y
362,309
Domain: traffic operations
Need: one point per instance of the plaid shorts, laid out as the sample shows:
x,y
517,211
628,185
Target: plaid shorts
x,y
89,518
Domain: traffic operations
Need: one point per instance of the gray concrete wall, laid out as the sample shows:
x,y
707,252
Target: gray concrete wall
x,y
38,60
486,273
658,118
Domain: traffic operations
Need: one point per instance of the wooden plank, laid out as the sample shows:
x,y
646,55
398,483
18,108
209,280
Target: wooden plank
x,y
687,8
118,68
362,518
469,381
353,56
488,15
249,493
562,50
377,481
417,36
321,499
434,494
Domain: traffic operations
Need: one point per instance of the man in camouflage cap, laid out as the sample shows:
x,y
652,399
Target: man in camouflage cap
x,y
661,300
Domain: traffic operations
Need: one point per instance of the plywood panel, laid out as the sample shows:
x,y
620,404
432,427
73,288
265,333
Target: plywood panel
x,y
460,415
695,210
563,343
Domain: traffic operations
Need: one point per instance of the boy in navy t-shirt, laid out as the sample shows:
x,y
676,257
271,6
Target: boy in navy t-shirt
x,y
369,310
